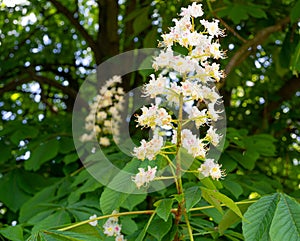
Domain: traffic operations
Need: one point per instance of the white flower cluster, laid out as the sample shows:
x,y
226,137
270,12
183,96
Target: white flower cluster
x,y
144,177
195,72
210,168
149,149
113,228
105,110
154,116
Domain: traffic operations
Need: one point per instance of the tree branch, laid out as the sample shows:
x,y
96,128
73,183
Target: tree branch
x,y
245,50
32,76
13,85
108,37
68,14
286,92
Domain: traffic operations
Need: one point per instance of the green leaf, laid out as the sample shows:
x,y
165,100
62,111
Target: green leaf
x,y
5,153
57,218
249,159
142,21
256,11
295,61
88,185
37,201
43,153
295,13
234,187
258,218
128,225
83,209
207,182
72,157
159,228
286,220
87,229
110,199
150,41
230,218
144,231
228,163
145,68
67,236
66,145
224,199
133,200
163,208
212,200
32,182
13,233
10,192
192,197
24,133
238,13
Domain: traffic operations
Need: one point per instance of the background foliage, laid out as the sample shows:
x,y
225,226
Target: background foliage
x,y
48,48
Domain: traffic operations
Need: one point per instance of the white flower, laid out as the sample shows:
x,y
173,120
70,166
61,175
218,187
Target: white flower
x,y
112,227
194,10
163,59
210,168
109,230
195,147
173,95
212,27
206,167
155,86
212,136
93,223
216,172
148,149
153,117
142,178
200,117
104,141
214,71
182,26
210,94
120,238
183,65
215,51
101,115
85,137
168,39
192,144
196,39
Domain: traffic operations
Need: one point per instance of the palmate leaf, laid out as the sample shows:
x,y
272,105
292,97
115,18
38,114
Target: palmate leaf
x,y
286,220
258,218
273,218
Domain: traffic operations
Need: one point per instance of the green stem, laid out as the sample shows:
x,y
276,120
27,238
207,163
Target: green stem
x,y
180,208
188,226
222,205
172,167
106,216
152,212
164,178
